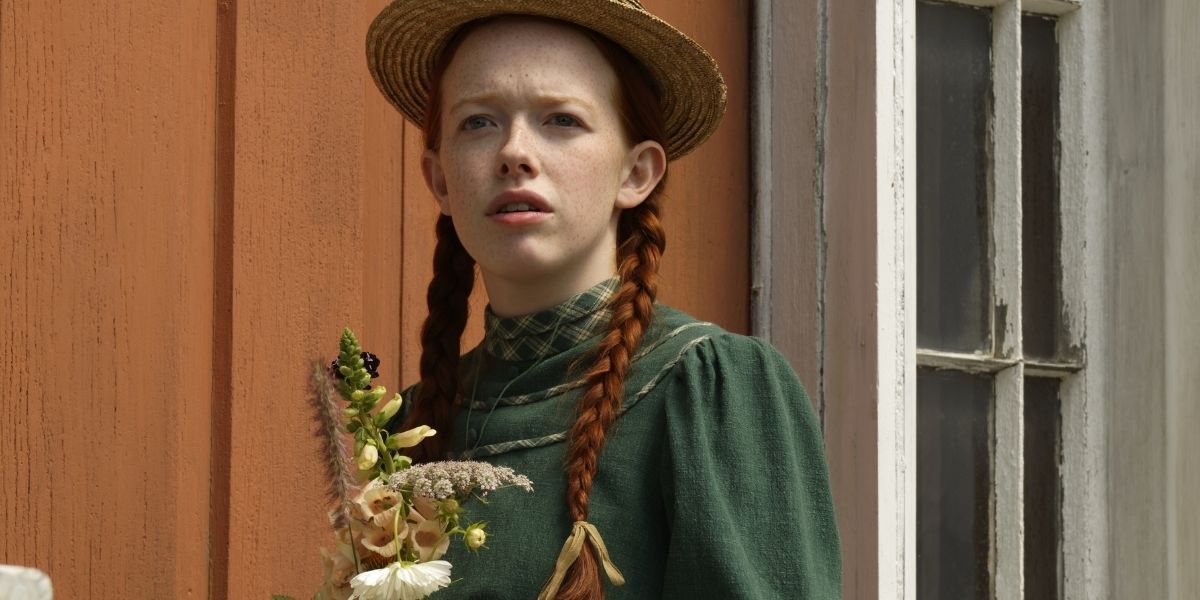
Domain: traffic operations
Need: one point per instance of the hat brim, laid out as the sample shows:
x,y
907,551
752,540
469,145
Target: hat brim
x,y
406,39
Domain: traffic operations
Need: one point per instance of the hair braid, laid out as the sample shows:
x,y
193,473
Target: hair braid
x,y
441,339
638,256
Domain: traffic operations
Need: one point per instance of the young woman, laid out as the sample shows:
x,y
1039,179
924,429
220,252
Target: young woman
x,y
670,458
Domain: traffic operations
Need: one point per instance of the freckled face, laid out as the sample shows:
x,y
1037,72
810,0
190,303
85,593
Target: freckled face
x,y
532,155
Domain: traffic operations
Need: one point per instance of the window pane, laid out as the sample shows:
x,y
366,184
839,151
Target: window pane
x,y
954,482
1039,200
1043,492
953,110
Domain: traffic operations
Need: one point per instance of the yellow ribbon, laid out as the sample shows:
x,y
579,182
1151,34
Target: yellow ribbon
x,y
582,531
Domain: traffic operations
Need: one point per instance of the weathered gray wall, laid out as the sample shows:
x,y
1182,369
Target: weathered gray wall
x,y
1153,98
1181,109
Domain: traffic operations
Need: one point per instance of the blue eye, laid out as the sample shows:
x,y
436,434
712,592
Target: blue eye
x,y
476,122
564,121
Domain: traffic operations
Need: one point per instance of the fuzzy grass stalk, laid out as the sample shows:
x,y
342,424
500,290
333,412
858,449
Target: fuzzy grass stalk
x,y
339,473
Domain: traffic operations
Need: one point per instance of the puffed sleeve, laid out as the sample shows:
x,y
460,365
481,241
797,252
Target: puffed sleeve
x,y
745,482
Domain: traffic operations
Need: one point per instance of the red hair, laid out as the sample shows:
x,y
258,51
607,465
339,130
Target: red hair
x,y
640,245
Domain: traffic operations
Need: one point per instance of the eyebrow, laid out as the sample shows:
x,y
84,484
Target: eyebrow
x,y
548,99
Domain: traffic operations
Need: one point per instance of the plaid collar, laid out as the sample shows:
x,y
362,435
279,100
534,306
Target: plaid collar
x,y
550,331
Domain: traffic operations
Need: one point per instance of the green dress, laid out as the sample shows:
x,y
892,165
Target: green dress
x,y
711,484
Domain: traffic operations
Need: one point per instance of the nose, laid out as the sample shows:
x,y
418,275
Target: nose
x,y
516,157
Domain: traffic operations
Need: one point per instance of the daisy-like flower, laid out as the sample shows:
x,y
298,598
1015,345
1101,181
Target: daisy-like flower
x,y
401,581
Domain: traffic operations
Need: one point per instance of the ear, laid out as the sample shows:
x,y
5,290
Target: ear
x,y
435,179
645,166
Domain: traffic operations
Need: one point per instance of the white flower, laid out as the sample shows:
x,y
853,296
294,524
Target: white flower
x,y
397,581
440,480
410,438
368,457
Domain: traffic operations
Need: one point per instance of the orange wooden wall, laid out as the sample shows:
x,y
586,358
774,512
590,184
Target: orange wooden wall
x,y
196,197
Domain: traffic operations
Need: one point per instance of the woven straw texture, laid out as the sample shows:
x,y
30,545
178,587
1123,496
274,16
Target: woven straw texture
x,y
407,37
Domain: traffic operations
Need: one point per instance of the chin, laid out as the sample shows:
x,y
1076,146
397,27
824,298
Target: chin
x,y
515,265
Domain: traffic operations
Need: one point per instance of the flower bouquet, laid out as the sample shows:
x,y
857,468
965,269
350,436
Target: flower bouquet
x,y
393,521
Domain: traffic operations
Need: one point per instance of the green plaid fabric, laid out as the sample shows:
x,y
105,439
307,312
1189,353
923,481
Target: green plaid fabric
x,y
529,337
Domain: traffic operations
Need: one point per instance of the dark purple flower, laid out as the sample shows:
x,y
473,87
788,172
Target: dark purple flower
x,y
370,363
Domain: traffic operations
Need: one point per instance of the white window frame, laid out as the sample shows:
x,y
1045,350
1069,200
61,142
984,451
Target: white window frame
x,y
1082,198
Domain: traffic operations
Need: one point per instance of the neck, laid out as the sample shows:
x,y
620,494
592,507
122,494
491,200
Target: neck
x,y
510,298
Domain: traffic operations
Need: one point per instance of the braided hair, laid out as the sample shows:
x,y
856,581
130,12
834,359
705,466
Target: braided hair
x,y
641,241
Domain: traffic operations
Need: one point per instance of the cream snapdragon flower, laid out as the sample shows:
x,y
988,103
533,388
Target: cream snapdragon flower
x,y
401,581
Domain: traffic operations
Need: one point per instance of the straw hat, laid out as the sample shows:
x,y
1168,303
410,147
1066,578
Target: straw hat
x,y
407,37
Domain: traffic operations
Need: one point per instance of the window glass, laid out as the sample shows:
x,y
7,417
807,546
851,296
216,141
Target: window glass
x,y
1040,299
954,73
954,483
1043,490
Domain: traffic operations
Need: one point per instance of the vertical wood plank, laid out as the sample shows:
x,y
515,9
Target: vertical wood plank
x,y
1137,442
106,221
311,240
851,313
707,211
795,153
383,178
1182,255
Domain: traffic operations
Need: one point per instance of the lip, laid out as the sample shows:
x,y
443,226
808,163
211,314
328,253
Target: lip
x,y
531,198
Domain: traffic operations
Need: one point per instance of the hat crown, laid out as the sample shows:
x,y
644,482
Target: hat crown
x,y
407,37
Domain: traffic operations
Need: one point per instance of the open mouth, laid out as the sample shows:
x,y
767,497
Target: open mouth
x,y
517,207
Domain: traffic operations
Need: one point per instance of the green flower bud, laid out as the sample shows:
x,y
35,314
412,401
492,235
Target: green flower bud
x,y
350,413
475,537
357,395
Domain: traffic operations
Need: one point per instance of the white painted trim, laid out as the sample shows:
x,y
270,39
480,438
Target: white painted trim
x,y
1008,483
1005,188
1084,196
1045,7
986,364
1051,7
896,252
1008,457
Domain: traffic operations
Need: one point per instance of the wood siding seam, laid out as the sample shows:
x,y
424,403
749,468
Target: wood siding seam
x,y
761,165
223,281
821,98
